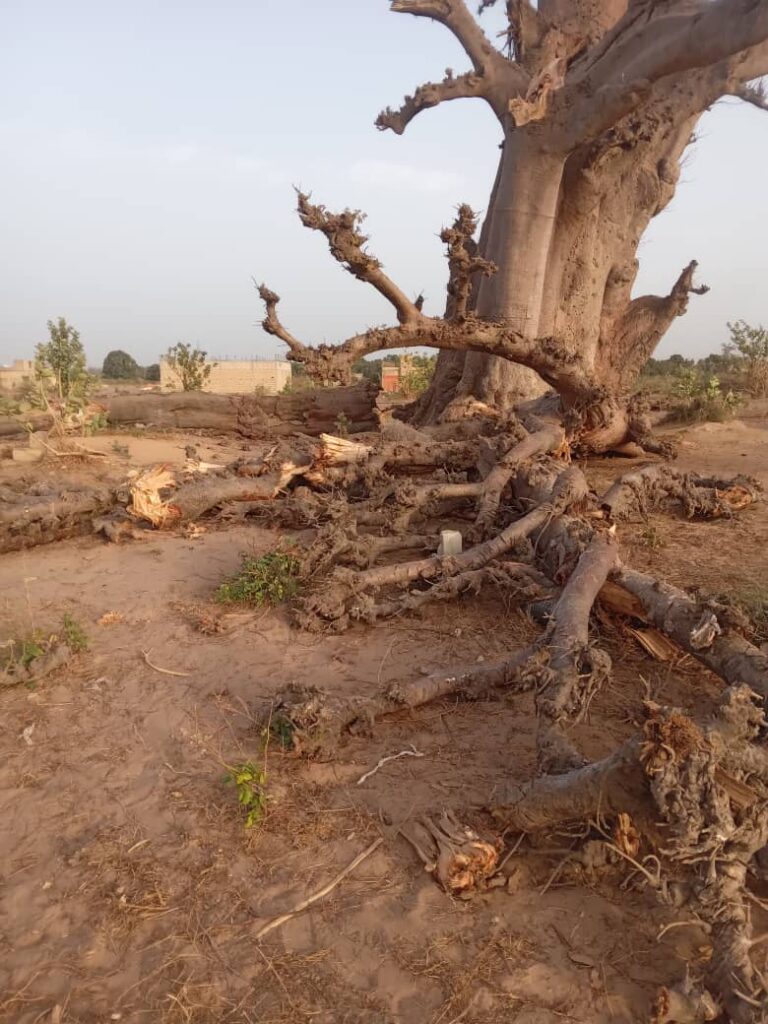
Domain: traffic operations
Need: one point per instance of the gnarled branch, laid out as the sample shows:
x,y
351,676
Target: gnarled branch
x,y
468,86
463,261
645,321
347,245
455,15
332,363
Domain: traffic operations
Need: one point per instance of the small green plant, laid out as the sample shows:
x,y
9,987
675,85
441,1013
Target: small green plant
x,y
19,654
121,449
270,579
190,365
753,601
73,635
342,425
24,650
652,538
60,364
702,397
251,784
751,343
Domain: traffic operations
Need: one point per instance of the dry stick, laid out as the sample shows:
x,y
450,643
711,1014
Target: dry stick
x,y
413,752
165,671
278,921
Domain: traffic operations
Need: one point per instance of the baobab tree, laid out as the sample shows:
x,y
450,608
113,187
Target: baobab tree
x,y
597,101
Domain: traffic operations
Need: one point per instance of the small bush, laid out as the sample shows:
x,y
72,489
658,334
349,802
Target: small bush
x,y
190,366
73,635
251,784
270,579
702,398
24,650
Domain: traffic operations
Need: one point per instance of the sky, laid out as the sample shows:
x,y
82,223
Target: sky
x,y
148,153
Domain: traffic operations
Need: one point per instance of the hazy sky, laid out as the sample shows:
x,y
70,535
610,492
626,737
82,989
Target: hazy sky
x,y
147,153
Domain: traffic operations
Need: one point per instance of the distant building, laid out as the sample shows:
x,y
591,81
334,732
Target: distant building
x,y
395,375
237,376
15,374
390,377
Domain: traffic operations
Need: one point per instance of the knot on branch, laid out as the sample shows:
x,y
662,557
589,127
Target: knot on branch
x,y
684,287
270,323
463,260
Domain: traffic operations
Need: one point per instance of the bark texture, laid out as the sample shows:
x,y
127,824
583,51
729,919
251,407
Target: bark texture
x,y
313,412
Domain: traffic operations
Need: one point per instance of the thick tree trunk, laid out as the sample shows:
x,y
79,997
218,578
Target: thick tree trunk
x,y
314,412
518,208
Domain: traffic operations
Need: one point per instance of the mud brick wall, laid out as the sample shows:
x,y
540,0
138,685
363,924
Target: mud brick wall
x,y
238,377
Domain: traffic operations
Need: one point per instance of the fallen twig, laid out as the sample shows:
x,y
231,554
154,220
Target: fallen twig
x,y
413,752
277,921
165,671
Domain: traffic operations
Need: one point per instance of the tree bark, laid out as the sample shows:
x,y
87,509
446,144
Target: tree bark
x,y
315,411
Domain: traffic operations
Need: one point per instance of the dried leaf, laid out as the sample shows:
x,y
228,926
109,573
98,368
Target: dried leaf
x,y
109,618
626,836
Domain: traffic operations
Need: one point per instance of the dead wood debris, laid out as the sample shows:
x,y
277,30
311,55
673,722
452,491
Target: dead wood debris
x,y
542,539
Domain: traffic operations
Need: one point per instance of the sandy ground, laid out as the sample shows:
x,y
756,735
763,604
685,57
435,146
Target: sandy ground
x,y
129,889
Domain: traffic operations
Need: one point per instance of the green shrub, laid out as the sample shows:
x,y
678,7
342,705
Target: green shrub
x,y
702,398
270,579
118,365
251,784
190,365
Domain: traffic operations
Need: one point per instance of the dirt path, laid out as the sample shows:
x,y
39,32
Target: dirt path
x,y
130,891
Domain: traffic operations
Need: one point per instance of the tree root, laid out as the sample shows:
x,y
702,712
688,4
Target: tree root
x,y
547,438
638,492
702,628
460,860
714,814
576,670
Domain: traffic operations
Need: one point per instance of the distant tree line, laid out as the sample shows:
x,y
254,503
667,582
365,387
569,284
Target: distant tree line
x,y
119,365
742,364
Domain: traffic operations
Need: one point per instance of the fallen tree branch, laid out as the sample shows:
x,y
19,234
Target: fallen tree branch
x,y
576,670
305,904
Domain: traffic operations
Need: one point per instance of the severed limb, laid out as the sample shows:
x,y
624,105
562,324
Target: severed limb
x,y
521,582
701,628
311,722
